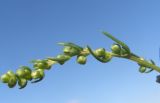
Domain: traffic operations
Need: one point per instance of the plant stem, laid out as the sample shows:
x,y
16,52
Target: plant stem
x,y
145,63
140,61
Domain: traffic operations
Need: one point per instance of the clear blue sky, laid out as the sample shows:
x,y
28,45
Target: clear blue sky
x,y
30,29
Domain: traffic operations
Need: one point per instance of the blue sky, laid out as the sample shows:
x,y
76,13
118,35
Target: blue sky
x,y
31,29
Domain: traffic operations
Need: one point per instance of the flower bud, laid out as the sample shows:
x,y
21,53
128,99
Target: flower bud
x,y
108,56
67,49
39,73
27,71
142,69
10,73
116,49
50,63
12,82
63,57
81,59
41,64
24,72
20,73
28,77
100,52
22,83
35,74
71,51
5,78
84,52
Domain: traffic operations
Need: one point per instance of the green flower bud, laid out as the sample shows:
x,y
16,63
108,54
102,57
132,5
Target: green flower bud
x,y
12,82
10,73
41,64
24,72
35,74
20,73
67,49
84,52
63,57
22,83
116,49
39,73
28,77
26,69
100,52
108,56
5,78
81,59
71,51
50,63
142,69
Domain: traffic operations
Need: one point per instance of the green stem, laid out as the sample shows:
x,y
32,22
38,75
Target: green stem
x,y
145,63
140,61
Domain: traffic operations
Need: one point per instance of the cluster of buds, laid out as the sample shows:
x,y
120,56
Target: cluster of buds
x,y
103,54
71,50
24,74
118,49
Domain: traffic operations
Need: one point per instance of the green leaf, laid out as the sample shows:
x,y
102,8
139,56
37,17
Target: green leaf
x,y
72,45
135,55
150,69
57,60
152,62
22,83
54,59
38,80
118,41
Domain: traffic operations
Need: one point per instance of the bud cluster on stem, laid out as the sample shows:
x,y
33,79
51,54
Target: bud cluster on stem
x,y
119,49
